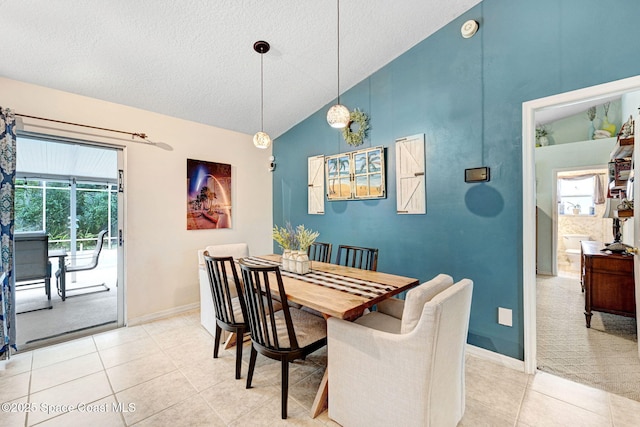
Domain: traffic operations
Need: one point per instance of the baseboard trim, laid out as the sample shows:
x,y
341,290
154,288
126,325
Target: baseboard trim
x,y
498,358
479,352
66,337
163,314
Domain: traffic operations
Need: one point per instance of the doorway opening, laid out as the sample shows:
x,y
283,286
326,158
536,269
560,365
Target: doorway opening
x,y
68,192
533,113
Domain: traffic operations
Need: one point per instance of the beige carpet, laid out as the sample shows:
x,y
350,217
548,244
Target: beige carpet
x,y
77,313
604,356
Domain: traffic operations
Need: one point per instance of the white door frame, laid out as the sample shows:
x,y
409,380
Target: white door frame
x,y
122,219
529,110
121,258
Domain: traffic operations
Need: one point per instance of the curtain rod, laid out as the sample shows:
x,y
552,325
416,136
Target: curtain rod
x,y
143,136
133,134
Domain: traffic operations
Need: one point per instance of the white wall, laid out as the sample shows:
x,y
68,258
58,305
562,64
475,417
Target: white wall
x,y
160,254
559,157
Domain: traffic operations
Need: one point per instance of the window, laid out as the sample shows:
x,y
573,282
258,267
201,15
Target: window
x,y
575,196
46,204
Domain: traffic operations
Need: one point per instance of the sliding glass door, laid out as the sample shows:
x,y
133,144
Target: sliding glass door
x,y
72,190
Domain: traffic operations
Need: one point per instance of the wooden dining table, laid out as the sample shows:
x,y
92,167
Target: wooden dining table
x,y
337,291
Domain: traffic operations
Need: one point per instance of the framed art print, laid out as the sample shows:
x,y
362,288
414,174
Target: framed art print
x,y
208,195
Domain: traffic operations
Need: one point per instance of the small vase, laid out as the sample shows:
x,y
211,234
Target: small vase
x,y
592,130
286,260
544,141
609,127
302,262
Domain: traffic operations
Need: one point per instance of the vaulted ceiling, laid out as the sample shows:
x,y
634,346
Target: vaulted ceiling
x,y
194,59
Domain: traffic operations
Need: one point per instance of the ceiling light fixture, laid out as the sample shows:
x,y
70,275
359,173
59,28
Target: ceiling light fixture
x,y
261,139
338,115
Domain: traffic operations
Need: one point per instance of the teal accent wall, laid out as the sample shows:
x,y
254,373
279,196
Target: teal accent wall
x,y
466,96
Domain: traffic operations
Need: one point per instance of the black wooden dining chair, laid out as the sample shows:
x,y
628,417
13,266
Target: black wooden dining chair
x,y
286,335
228,303
319,251
358,257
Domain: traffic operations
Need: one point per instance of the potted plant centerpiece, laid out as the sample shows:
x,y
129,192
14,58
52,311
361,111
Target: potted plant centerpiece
x,y
294,244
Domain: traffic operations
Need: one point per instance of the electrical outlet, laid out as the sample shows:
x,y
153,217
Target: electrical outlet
x,y
505,316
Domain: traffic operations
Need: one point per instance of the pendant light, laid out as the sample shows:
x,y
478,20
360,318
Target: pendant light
x,y
261,139
338,115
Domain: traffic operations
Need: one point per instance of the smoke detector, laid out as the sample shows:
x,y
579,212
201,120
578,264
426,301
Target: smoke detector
x,y
469,28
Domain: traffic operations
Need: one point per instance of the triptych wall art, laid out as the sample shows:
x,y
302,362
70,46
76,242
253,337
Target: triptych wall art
x,y
361,175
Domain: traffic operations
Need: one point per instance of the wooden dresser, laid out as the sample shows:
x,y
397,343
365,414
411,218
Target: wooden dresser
x,y
607,281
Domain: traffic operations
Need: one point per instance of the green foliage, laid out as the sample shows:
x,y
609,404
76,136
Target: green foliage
x,y
114,213
92,213
28,202
305,237
57,212
92,210
356,136
298,239
285,236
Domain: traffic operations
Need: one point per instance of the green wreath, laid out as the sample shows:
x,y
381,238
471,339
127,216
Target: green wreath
x,y
356,137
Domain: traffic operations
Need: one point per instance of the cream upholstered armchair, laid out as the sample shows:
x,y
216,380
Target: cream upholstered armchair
x,y
403,364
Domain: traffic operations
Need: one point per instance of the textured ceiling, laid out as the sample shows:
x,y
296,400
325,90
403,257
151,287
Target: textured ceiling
x,y
194,59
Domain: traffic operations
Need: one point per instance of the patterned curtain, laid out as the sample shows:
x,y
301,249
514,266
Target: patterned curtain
x,y
7,191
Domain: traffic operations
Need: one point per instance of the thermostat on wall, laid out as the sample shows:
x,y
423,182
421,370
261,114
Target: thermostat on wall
x,y
476,174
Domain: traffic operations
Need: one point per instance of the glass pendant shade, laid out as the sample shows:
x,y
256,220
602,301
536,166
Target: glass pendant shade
x,y
261,140
338,116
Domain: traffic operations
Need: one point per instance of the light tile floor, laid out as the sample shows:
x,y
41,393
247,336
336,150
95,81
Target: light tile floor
x,y
163,373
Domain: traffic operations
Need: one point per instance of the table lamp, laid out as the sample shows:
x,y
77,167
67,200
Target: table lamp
x,y
610,209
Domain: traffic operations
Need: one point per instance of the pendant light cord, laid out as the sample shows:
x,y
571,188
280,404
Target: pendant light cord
x,y
338,3
261,93
261,47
